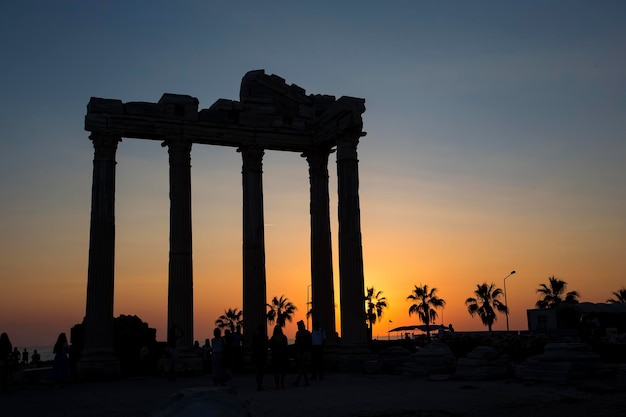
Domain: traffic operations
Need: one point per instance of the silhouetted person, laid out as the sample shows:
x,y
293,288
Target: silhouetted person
x,y
229,354
60,363
279,348
5,356
36,358
441,332
303,352
25,357
259,354
318,340
206,356
173,335
15,356
199,351
218,359
236,348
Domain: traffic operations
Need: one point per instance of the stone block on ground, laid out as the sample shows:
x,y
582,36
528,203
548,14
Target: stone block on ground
x,y
203,401
483,363
561,362
436,358
392,359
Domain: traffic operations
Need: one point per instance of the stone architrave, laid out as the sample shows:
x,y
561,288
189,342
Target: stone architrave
x,y
351,279
323,297
98,357
180,284
254,279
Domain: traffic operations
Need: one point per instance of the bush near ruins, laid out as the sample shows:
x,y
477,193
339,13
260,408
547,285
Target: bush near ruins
x,y
134,343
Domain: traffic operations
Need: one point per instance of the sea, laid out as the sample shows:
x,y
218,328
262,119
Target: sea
x,y
44,351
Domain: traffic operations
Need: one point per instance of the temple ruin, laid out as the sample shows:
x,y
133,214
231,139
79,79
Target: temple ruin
x,y
272,115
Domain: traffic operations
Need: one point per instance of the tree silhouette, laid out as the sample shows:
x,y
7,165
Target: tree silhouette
x,y
426,303
376,303
280,310
230,319
552,294
486,303
620,297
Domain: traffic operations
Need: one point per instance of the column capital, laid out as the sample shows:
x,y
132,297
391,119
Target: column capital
x,y
179,152
346,146
318,160
252,158
105,145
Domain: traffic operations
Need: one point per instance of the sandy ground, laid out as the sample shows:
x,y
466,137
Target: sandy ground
x,y
338,395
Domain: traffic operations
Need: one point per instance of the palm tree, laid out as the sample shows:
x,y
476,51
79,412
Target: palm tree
x,y
552,294
230,319
620,297
280,310
426,302
376,303
486,303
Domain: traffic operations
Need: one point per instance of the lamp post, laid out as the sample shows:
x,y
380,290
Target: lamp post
x,y
309,304
506,303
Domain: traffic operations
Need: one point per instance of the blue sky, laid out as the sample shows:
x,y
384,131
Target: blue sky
x,y
493,125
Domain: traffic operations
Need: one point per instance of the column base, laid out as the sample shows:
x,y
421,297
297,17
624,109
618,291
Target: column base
x,y
98,364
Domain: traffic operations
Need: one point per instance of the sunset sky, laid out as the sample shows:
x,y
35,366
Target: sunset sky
x,y
495,142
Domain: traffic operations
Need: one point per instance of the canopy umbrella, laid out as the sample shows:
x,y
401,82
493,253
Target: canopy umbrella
x,y
403,329
433,327
421,327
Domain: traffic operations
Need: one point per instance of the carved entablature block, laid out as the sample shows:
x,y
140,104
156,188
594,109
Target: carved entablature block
x,y
105,105
271,114
178,106
142,108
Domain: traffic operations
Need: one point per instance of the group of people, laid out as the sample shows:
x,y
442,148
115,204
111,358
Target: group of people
x,y
11,357
223,354
308,352
22,358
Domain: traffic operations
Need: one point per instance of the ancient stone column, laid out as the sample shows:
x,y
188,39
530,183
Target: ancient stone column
x,y
180,287
351,280
98,358
323,295
254,292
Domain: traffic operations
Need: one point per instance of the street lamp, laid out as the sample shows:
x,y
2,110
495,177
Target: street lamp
x,y
309,304
506,303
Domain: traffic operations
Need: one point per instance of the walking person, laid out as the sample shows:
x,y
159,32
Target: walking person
x,y
318,340
303,353
173,335
279,348
236,348
61,362
218,358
